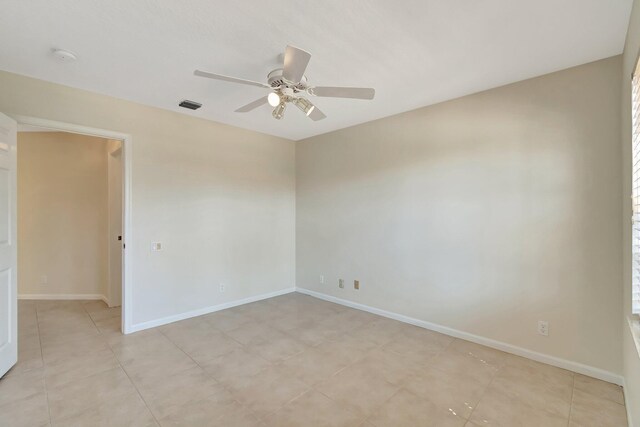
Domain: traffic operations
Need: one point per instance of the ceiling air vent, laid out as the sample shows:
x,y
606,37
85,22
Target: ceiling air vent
x,y
190,104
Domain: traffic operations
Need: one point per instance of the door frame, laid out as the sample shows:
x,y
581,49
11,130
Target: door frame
x,y
127,223
120,233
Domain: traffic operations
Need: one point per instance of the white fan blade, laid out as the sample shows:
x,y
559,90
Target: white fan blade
x,y
343,92
229,79
252,105
316,114
295,63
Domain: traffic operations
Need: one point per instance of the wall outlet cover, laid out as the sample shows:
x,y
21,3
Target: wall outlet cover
x,y
543,327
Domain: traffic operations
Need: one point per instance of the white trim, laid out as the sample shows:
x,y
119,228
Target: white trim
x,y
63,297
120,152
634,330
206,310
627,403
519,351
127,224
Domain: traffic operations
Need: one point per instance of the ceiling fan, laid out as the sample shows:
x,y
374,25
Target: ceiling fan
x,y
288,83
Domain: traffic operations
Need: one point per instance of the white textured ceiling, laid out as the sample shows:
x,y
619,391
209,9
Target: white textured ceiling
x,y
413,52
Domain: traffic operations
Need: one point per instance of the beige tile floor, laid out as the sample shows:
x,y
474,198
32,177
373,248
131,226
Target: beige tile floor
x,y
287,361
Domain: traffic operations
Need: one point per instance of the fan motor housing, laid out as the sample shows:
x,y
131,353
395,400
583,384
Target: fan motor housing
x,y
275,80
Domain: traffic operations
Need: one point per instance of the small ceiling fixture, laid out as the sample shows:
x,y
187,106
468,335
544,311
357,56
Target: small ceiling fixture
x,y
64,55
288,83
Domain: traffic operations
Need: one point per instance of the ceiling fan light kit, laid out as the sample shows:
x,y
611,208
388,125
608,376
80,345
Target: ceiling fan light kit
x,y
273,99
288,83
305,105
278,112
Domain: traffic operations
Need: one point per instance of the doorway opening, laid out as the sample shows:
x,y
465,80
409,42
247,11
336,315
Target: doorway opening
x,y
74,219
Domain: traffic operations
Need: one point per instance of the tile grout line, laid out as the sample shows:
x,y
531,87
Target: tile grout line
x,y
205,371
44,378
136,388
272,364
122,367
573,389
365,418
401,387
285,404
117,360
308,347
596,395
484,392
468,418
369,416
548,412
133,384
91,318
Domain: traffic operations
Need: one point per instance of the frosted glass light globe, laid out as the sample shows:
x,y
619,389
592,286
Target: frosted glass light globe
x,y
273,99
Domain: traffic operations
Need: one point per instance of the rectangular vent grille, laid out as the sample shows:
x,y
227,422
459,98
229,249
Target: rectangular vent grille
x,y
190,105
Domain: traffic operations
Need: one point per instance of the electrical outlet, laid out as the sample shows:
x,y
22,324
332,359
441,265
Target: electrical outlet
x,y
356,284
223,287
44,279
340,283
156,246
543,327
321,279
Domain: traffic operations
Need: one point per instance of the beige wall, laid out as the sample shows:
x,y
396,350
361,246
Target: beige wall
x,y
484,214
219,198
62,214
631,357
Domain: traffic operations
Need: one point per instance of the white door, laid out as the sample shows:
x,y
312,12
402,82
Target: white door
x,y
8,254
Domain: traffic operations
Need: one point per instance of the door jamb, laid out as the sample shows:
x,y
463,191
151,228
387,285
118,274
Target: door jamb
x,y
127,223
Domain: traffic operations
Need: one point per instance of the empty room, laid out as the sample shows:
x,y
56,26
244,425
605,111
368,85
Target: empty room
x,y
331,214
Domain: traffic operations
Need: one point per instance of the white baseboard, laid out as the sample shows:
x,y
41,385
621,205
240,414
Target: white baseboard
x,y
63,296
580,368
206,310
